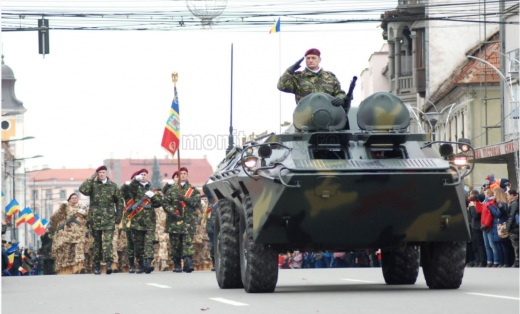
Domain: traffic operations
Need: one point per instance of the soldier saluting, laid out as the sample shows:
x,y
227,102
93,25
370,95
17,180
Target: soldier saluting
x,y
143,224
311,80
106,208
181,220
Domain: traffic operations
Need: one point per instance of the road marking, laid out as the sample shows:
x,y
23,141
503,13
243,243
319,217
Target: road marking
x,y
158,285
493,296
229,302
356,280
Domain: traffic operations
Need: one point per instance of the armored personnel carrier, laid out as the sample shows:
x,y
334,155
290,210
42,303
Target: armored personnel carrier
x,y
328,185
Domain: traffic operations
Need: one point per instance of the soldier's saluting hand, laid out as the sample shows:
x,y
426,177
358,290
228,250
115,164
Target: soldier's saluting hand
x,y
312,79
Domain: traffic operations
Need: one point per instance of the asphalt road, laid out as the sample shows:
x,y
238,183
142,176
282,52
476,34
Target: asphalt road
x,y
346,290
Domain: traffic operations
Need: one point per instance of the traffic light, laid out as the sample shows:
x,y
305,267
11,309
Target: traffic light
x,y
43,37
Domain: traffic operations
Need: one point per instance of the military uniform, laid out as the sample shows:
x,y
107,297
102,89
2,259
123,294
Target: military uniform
x,y
68,244
106,208
143,224
181,232
125,192
304,83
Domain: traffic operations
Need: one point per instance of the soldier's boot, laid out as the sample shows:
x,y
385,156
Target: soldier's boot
x,y
132,265
97,269
109,267
188,266
177,266
140,269
148,267
213,264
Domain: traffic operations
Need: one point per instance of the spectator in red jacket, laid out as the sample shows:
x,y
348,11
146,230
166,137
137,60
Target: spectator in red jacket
x,y
487,226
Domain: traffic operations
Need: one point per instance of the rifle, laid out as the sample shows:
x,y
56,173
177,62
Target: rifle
x,y
136,207
350,95
70,220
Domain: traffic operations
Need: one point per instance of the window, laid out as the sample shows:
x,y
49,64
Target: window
x,y
387,152
62,195
48,194
35,194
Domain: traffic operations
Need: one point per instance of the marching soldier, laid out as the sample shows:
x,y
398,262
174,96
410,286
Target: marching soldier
x,y
143,223
311,80
68,226
125,193
106,208
181,221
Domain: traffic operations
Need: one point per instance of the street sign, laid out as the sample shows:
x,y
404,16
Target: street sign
x,y
43,37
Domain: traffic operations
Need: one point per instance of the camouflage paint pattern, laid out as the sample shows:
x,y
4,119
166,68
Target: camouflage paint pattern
x,y
125,193
103,243
161,250
145,220
143,242
182,245
349,198
106,203
304,83
171,204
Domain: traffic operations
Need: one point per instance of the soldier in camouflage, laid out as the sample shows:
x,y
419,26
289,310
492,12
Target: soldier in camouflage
x,y
143,224
125,193
181,221
106,208
311,80
209,219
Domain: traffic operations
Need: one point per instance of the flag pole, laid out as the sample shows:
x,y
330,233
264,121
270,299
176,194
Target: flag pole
x,y
279,71
175,78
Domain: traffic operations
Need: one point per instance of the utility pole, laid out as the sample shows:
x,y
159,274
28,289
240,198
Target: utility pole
x,y
502,35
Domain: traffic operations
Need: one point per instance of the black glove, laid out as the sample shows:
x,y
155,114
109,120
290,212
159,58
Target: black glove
x,y
338,101
295,66
181,198
177,217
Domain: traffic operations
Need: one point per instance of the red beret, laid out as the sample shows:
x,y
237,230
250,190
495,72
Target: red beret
x,y
313,51
142,170
184,169
101,168
174,174
134,174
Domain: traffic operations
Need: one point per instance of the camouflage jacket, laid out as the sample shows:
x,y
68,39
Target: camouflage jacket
x,y
106,203
304,83
145,220
73,232
166,187
171,204
125,193
210,219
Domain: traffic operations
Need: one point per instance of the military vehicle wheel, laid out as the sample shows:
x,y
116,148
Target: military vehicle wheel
x,y
443,264
258,262
401,267
227,257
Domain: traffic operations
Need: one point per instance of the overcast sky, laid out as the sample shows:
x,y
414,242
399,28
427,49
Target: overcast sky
x,y
103,94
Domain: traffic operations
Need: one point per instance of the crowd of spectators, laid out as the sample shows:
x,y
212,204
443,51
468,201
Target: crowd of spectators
x,y
494,221
25,262
297,260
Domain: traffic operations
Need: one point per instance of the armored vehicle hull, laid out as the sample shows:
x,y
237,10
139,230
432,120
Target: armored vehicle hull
x,y
340,190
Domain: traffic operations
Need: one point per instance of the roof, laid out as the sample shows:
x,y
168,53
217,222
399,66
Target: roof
x,y
199,170
61,175
9,100
470,71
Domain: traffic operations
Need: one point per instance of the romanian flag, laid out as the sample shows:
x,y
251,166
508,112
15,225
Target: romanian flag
x,y
45,223
12,208
276,27
23,257
29,218
11,260
23,271
37,226
23,216
172,131
2,195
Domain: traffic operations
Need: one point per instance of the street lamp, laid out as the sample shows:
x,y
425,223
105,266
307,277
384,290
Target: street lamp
x,y
19,139
432,118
